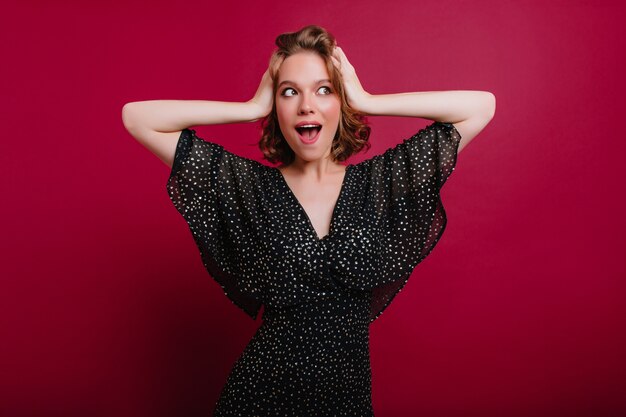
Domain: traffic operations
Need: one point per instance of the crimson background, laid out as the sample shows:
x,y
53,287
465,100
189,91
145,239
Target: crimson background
x,y
106,309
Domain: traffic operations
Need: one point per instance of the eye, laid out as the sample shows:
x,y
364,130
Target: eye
x,y
327,88
285,90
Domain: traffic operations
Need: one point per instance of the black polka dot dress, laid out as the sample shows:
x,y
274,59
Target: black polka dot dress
x,y
310,355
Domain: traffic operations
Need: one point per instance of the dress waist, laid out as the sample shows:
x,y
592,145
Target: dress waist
x,y
345,306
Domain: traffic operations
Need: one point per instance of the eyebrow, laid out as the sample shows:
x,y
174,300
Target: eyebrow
x,y
293,83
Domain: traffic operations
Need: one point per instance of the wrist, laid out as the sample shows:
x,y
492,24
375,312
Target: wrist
x,y
254,111
366,104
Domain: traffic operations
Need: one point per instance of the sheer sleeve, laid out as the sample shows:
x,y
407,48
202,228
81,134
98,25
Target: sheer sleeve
x,y
403,203
214,191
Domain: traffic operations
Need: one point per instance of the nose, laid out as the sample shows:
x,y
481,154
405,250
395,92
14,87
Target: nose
x,y
306,106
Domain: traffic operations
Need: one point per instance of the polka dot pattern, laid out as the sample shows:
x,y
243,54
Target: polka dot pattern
x,y
310,356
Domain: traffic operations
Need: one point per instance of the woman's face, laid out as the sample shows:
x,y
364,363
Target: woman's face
x,y
305,94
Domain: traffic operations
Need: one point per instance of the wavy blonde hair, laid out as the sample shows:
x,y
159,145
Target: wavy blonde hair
x,y
353,131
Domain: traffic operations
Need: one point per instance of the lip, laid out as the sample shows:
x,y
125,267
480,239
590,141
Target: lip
x,y
308,141
308,122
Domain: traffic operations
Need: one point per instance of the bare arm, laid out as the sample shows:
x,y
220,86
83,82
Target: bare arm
x,y
176,115
469,111
157,124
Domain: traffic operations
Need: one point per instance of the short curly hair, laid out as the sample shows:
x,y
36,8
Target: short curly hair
x,y
353,131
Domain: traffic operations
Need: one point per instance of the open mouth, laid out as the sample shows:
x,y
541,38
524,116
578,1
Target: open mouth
x,y
309,133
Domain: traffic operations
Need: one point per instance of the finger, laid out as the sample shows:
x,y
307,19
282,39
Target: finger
x,y
342,56
344,60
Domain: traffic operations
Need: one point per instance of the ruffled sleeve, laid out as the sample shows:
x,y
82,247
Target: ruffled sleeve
x,y
216,192
402,208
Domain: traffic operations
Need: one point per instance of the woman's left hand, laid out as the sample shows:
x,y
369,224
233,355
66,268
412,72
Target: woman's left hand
x,y
356,95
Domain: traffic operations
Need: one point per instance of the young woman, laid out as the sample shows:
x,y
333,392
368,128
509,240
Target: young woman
x,y
323,246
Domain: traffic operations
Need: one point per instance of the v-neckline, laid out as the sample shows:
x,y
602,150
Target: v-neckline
x,y
312,230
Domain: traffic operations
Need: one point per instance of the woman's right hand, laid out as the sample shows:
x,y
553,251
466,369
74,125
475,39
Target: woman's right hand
x,y
263,99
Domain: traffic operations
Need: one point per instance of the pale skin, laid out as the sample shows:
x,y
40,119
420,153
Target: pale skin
x,y
313,177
